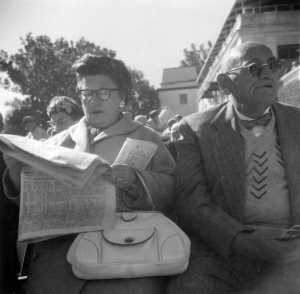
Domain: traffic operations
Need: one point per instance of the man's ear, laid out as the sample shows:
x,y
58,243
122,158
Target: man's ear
x,y
224,83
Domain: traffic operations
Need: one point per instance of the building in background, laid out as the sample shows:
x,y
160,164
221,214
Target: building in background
x,y
289,90
274,23
179,90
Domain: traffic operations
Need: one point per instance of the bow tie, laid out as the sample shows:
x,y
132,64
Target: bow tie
x,y
92,132
260,121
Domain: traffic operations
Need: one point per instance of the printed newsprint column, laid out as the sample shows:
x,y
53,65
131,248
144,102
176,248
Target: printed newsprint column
x,y
136,153
50,208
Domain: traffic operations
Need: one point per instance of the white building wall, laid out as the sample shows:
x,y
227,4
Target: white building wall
x,y
171,98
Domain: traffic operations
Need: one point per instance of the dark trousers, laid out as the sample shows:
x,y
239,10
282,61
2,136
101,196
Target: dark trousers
x,y
212,275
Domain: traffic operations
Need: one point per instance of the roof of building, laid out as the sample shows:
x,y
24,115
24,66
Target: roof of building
x,y
179,74
178,77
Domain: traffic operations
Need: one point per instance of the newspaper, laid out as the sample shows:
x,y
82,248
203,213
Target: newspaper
x,y
49,208
62,191
136,153
72,167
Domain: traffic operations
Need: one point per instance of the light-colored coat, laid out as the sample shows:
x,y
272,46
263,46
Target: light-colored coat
x,y
159,173
50,272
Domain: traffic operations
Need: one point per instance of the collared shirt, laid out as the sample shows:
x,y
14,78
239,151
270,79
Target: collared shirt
x,y
257,130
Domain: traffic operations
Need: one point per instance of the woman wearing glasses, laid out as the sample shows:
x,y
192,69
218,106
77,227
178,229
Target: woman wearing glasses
x,y
63,113
104,85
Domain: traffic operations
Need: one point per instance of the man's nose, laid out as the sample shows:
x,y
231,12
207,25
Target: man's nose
x,y
266,71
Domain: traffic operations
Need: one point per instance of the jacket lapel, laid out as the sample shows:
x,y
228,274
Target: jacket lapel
x,y
288,128
79,134
229,151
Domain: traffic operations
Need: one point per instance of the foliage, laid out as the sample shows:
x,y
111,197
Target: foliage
x,y
145,97
42,69
195,56
14,118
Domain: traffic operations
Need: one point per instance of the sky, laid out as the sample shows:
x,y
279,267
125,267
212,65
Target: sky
x,y
148,35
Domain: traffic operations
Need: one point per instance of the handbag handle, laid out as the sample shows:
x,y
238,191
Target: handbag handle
x,y
146,189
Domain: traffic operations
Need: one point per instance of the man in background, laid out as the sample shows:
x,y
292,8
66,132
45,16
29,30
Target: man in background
x,y
153,121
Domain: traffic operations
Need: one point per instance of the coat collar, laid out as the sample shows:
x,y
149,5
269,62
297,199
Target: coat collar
x,y
226,123
79,132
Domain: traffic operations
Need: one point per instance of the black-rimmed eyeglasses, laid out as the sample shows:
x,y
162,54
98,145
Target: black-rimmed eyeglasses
x,y
102,94
255,69
60,122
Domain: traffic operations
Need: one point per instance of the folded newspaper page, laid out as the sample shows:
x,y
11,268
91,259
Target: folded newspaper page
x,y
69,166
49,208
136,153
60,191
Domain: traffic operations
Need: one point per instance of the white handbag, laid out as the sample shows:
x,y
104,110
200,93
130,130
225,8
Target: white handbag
x,y
142,244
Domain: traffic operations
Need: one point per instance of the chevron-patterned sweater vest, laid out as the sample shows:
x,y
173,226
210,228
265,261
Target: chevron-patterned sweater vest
x,y
267,199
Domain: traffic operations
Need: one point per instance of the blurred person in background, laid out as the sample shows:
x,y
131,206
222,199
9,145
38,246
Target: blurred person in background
x,y
171,144
153,121
166,134
35,132
178,117
63,113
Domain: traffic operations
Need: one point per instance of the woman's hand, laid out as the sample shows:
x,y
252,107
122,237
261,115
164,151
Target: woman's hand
x,y
122,176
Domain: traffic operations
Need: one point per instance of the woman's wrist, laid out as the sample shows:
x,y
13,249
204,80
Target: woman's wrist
x,y
132,185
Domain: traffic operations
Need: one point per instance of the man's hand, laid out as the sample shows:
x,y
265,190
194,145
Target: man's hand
x,y
122,176
253,245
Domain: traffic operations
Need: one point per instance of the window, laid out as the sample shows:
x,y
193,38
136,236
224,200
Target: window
x,y
183,99
288,51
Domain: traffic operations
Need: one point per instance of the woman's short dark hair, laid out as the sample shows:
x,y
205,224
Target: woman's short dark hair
x,y
65,104
91,65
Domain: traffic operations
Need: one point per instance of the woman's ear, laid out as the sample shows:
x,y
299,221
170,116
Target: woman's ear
x,y
224,83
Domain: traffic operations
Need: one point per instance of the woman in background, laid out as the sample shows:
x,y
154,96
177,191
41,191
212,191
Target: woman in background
x,y
63,113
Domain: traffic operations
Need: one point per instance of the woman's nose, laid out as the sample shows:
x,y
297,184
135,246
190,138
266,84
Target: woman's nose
x,y
95,99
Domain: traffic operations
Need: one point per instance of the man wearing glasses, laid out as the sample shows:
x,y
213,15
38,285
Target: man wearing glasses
x,y
238,183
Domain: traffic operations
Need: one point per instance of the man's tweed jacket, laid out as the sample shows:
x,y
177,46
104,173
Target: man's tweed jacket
x,y
210,173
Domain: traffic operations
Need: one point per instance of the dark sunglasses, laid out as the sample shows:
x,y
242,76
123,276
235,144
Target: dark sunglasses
x,y
255,69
